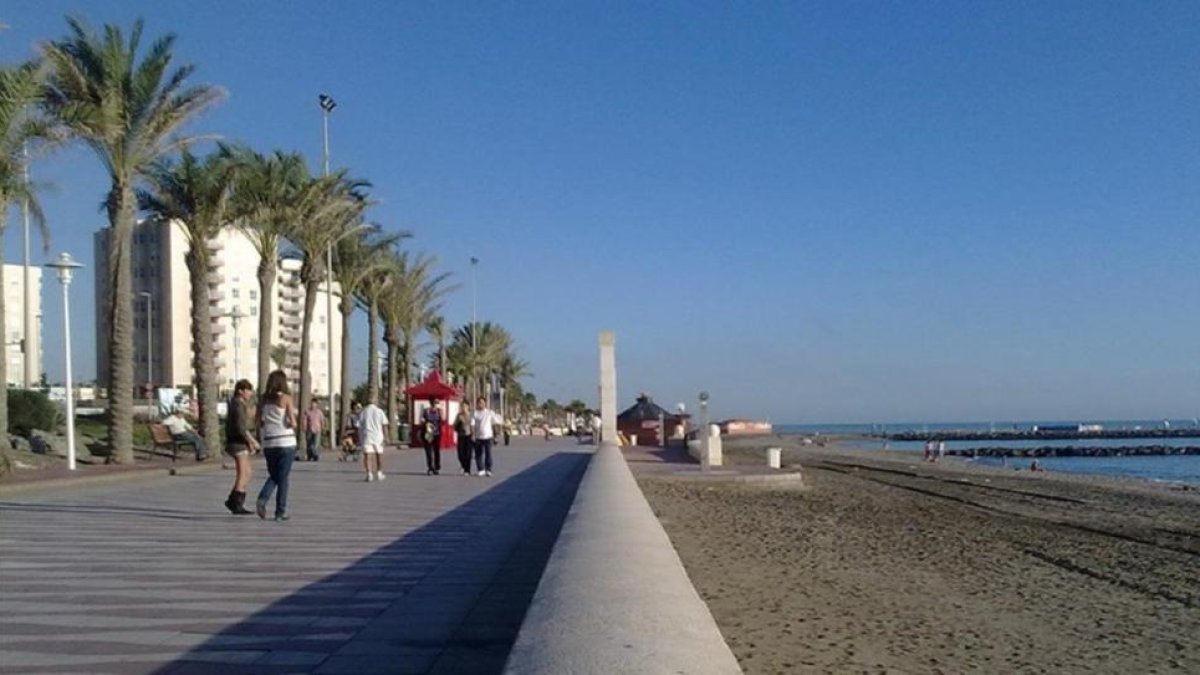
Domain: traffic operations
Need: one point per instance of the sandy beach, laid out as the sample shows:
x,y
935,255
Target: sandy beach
x,y
883,564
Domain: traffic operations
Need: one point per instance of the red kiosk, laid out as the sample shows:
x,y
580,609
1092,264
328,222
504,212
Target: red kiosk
x,y
434,392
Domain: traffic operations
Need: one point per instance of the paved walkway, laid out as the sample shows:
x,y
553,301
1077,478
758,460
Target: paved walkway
x,y
415,574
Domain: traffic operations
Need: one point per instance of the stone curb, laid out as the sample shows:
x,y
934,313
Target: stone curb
x,y
614,597
34,486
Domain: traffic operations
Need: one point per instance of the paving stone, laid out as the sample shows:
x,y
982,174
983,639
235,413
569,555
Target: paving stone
x,y
391,577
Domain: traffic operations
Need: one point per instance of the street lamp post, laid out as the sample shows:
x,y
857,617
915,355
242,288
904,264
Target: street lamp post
x,y
149,343
28,373
705,458
235,316
65,266
327,105
474,328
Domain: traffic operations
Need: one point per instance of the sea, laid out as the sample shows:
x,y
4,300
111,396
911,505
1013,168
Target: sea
x,y
1164,468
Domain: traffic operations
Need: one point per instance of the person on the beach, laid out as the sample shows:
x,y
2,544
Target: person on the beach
x,y
371,424
941,450
277,433
239,443
483,432
431,438
929,450
314,424
462,434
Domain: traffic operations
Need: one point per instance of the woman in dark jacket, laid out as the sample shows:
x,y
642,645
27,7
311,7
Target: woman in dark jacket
x,y
462,432
239,443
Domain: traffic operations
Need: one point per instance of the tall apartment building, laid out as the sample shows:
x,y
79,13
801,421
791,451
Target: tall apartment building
x,y
15,315
162,296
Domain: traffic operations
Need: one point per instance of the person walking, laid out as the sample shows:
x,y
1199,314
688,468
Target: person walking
x,y
239,443
277,433
431,438
350,434
483,433
371,424
462,434
314,425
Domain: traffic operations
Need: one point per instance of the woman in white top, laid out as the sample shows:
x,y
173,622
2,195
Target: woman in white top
x,y
277,435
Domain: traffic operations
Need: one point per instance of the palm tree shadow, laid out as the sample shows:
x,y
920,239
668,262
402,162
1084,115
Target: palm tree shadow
x,y
398,610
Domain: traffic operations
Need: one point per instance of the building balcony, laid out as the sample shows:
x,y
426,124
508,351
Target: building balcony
x,y
290,319
215,245
215,297
215,278
217,328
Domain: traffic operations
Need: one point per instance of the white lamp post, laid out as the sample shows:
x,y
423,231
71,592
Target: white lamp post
x,y
65,266
327,105
474,330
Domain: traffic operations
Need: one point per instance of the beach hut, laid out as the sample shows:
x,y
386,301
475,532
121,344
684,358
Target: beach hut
x,y
647,423
432,391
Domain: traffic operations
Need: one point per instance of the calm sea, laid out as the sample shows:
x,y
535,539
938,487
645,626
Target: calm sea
x,y
1168,468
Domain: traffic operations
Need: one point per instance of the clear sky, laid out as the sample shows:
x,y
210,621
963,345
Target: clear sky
x,y
818,212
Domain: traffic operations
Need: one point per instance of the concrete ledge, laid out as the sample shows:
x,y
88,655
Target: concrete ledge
x,y
614,597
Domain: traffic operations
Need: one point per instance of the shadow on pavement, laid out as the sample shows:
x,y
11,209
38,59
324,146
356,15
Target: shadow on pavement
x,y
402,609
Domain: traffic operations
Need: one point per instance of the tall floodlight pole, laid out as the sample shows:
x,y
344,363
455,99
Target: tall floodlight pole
x,y
65,266
149,343
474,330
327,106
27,369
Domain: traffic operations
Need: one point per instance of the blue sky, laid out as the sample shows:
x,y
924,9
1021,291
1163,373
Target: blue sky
x,y
818,212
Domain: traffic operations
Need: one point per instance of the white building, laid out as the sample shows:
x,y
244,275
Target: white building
x,y
162,293
15,316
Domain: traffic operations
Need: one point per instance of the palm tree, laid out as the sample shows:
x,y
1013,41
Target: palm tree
x,y
127,110
370,294
263,198
196,194
437,330
355,259
20,90
410,301
478,350
327,209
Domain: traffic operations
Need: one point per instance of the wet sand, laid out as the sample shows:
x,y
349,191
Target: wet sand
x,y
883,564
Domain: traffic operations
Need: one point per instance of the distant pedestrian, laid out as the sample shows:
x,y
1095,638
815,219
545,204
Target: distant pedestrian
x,y
314,425
350,434
929,450
462,435
277,433
239,443
371,424
431,438
483,433
941,450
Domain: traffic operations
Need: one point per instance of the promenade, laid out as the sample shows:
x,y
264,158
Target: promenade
x,y
415,574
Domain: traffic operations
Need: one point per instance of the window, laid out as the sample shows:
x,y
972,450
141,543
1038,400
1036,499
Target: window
x,y
253,294
235,293
322,319
253,310
322,346
254,343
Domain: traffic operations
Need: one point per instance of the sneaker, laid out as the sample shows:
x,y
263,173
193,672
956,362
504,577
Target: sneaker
x,y
481,473
379,476
280,517
370,477
466,472
487,473
261,509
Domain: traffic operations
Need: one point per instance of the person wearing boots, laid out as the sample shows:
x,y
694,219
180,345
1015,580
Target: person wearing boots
x,y
239,444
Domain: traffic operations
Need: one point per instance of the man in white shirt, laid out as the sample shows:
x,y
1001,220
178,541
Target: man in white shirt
x,y
483,432
183,432
371,424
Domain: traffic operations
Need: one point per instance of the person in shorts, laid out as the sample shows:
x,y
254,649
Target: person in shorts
x,y
371,425
239,443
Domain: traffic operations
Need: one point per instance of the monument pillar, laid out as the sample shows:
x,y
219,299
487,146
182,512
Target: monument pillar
x,y
608,387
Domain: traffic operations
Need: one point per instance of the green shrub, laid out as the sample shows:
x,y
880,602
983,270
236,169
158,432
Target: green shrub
x,y
29,410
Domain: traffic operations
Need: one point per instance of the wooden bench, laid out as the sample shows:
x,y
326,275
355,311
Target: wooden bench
x,y
162,438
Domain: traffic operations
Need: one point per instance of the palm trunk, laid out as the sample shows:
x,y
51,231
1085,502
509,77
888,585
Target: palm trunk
x,y
120,315
373,351
266,309
347,387
405,359
197,260
310,304
5,446
392,389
